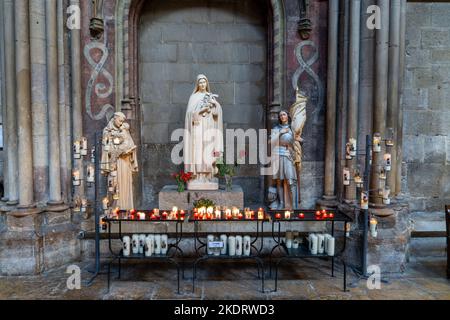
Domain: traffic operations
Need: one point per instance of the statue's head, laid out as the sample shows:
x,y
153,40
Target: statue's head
x,y
202,84
283,117
119,119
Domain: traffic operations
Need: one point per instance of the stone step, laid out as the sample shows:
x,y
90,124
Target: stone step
x,y
428,247
428,221
427,240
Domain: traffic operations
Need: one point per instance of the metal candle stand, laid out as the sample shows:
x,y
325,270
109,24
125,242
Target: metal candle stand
x,y
302,252
366,184
205,256
167,257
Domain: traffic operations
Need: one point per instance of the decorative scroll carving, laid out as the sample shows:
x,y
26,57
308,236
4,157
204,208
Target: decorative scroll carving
x,y
101,90
305,66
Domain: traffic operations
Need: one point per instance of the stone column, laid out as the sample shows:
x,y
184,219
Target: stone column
x,y
53,105
393,78
353,87
381,94
23,100
77,106
39,111
344,8
10,127
64,108
399,142
330,138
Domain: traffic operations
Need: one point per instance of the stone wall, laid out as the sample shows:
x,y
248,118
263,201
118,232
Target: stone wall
x,y
426,104
179,39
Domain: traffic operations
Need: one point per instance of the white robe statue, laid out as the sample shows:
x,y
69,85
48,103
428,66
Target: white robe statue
x,y
203,141
119,161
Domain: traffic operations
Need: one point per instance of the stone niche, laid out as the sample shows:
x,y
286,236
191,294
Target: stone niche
x,y
37,241
226,41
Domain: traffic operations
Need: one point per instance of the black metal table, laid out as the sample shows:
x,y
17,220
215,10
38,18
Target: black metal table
x,y
172,249
303,251
202,255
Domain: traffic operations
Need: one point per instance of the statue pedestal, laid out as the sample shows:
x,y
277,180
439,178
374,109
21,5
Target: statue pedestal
x,y
169,197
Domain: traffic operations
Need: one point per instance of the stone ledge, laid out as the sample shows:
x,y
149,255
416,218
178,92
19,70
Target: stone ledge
x,y
170,197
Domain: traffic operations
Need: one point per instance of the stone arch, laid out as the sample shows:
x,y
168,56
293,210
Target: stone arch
x,y
127,13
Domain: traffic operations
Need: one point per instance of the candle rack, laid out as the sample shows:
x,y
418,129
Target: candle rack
x,y
201,246
172,250
302,252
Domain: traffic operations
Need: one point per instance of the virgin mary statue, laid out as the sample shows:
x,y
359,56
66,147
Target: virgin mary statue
x,y
203,141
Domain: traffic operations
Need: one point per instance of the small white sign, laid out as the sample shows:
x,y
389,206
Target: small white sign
x,y
215,244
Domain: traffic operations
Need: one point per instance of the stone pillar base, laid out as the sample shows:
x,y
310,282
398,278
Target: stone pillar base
x,y
169,197
327,202
36,240
389,250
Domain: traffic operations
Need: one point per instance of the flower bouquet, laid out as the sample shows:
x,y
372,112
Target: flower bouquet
x,y
182,178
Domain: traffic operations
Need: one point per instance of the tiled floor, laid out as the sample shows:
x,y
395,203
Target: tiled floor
x,y
225,280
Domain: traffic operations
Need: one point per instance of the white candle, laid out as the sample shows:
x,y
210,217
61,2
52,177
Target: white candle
x,y
218,214
364,200
295,243
287,214
84,146
320,243
346,176
90,173
209,239
141,243
288,239
260,214
224,239
157,244
352,147
103,225
247,245
347,151
235,212
164,244
149,243
386,192
326,236
331,242
376,142
382,174
141,215
105,203
135,244
313,242
77,149
126,246
373,227
239,245
83,205
93,155
358,180
387,161
76,178
347,229
232,246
